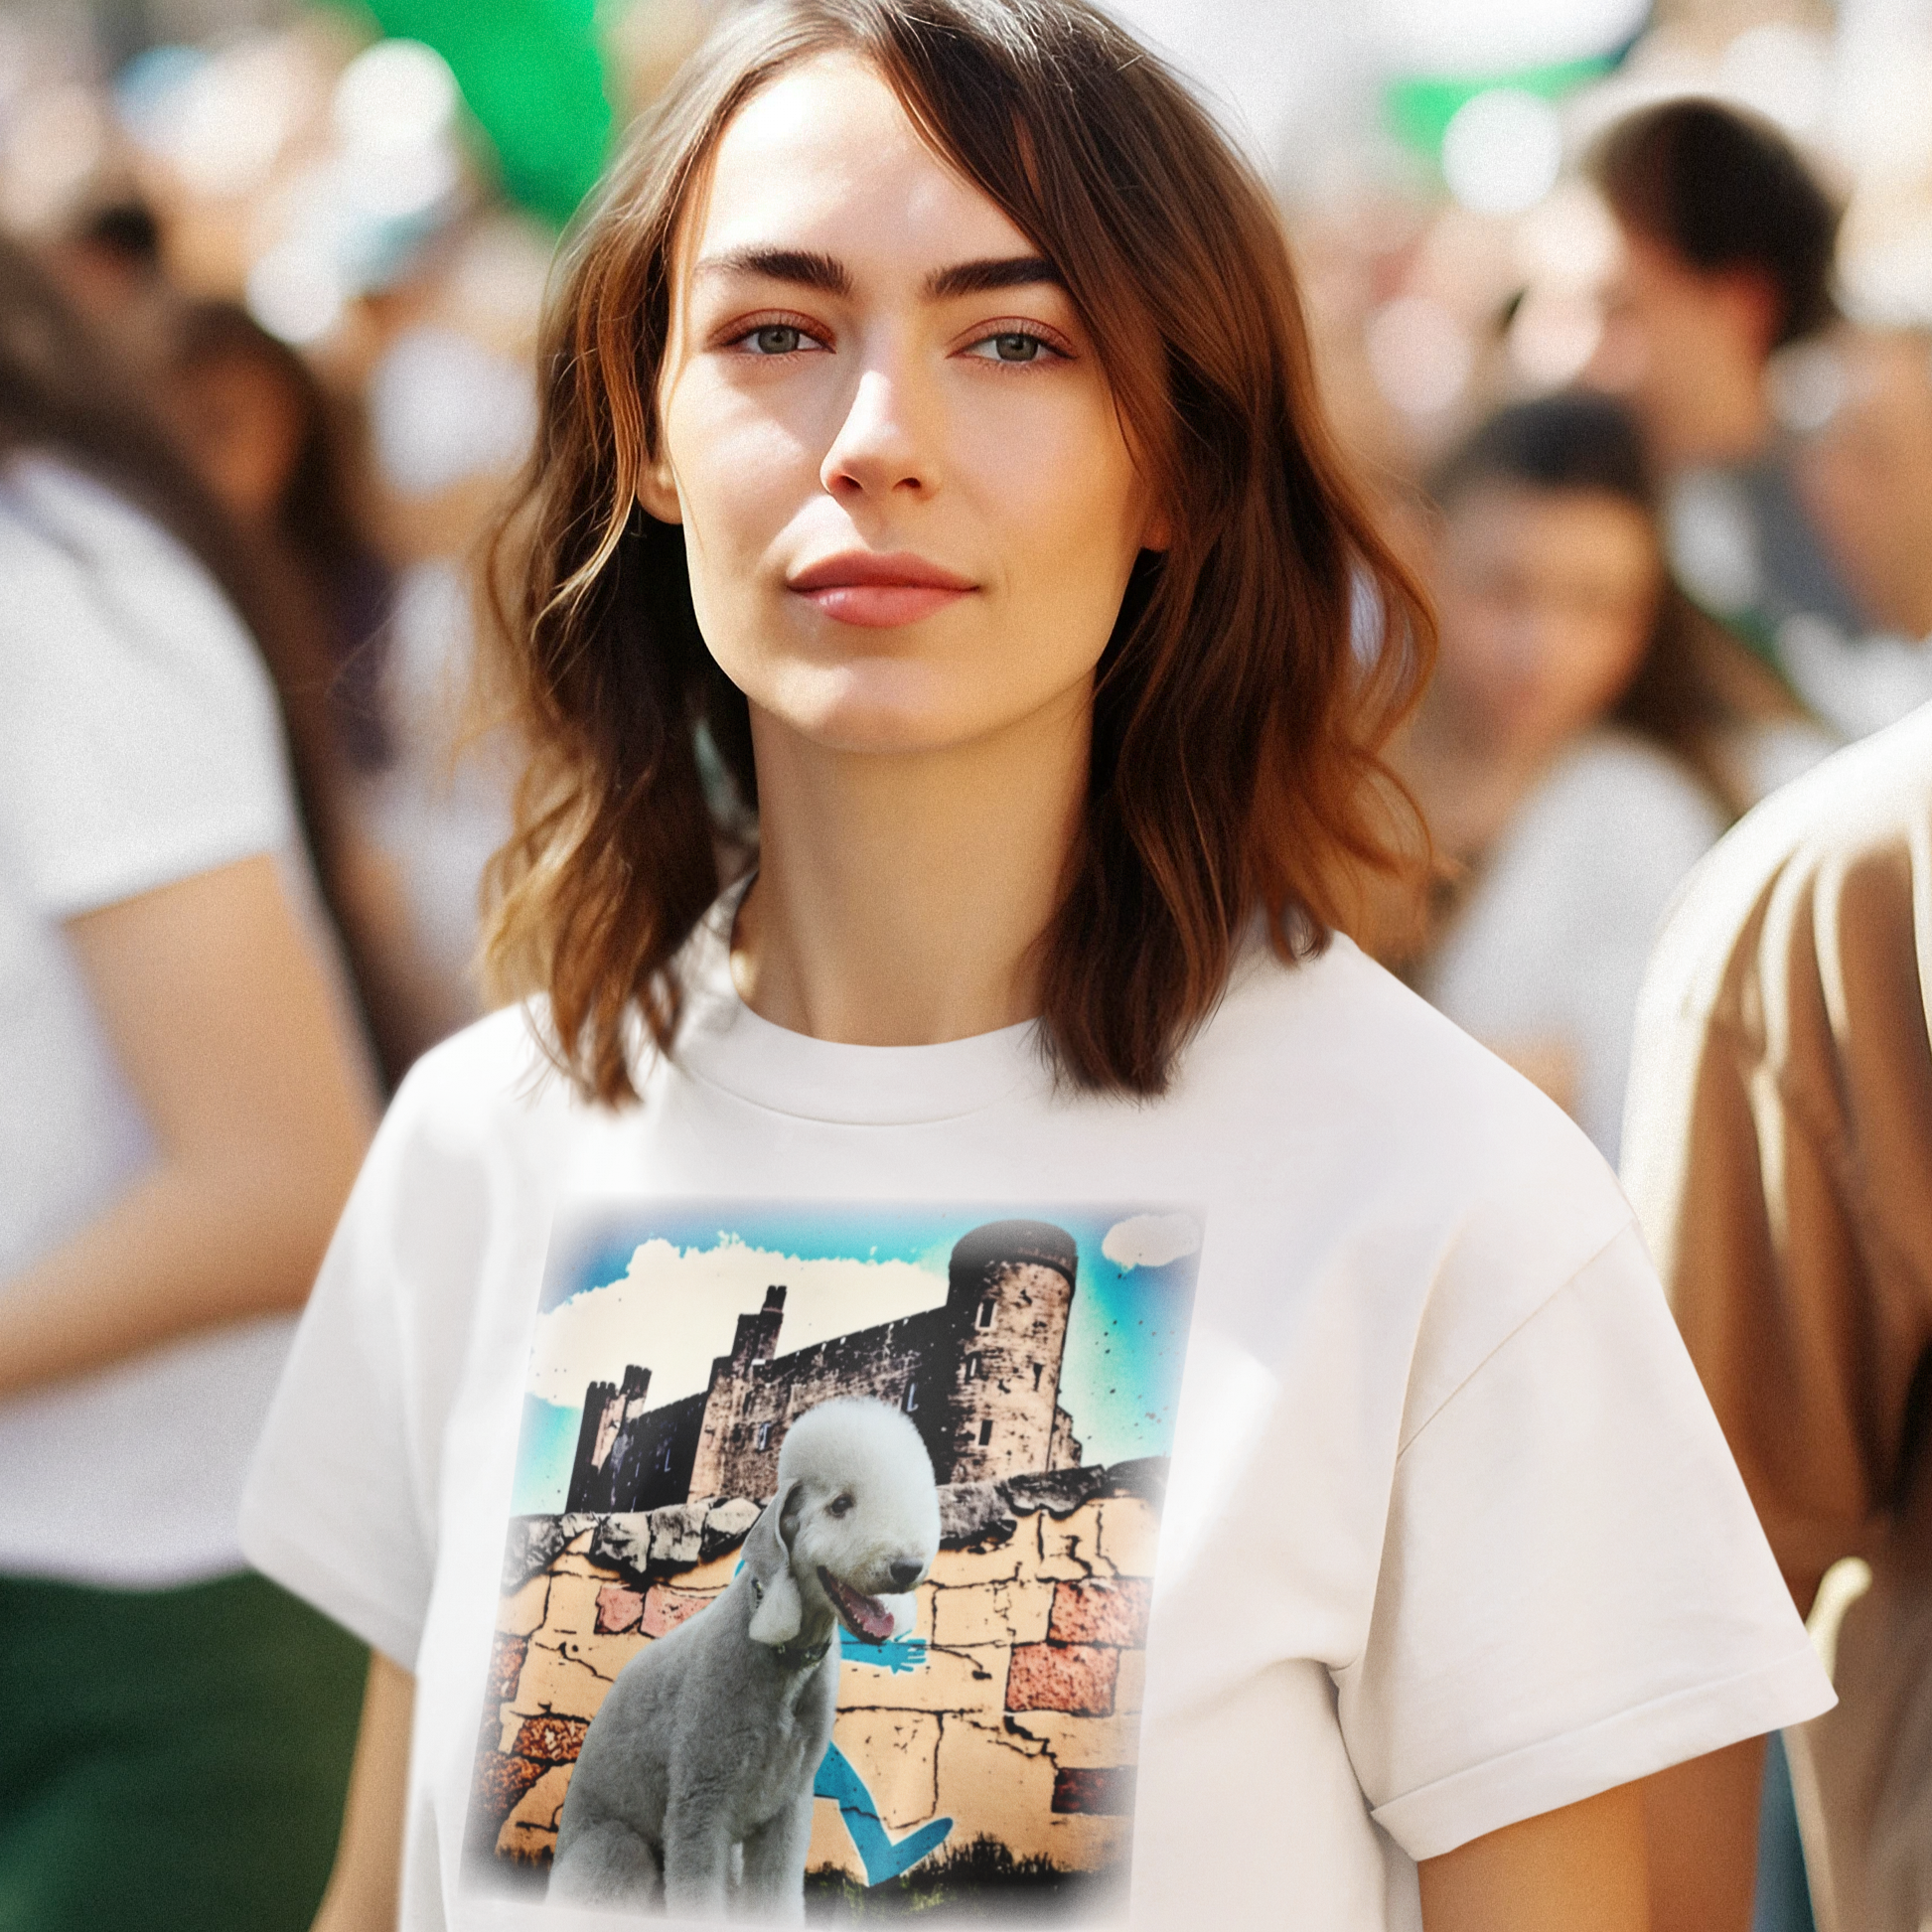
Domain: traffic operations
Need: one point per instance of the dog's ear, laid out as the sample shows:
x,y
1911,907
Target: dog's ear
x,y
768,1556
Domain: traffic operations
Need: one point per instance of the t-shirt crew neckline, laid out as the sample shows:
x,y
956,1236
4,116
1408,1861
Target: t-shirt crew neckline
x,y
722,1043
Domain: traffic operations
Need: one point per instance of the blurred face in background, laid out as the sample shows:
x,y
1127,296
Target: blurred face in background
x,y
244,428
1687,347
1867,477
1547,601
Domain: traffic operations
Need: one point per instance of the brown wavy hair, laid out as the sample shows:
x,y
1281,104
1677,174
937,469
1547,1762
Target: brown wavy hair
x,y
1256,666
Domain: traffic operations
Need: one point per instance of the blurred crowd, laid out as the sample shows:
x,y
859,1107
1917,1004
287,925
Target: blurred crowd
x,y
1656,606
1632,336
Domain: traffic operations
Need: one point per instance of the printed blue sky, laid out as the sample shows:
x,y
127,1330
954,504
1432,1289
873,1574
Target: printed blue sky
x,y
662,1283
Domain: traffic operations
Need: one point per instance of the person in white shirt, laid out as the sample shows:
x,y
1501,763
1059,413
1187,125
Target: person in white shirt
x,y
184,1096
930,467
1585,738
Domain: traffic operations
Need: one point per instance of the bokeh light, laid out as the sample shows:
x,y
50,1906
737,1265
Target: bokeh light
x,y
1503,151
1419,353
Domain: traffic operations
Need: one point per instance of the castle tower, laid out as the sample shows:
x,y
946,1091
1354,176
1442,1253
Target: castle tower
x,y
1010,1288
731,1458
607,1408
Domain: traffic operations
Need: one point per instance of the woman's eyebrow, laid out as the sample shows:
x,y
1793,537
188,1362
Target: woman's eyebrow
x,y
983,277
810,269
801,265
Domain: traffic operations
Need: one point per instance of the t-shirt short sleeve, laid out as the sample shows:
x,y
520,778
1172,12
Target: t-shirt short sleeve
x,y
334,1507
143,743
343,1499
1574,1592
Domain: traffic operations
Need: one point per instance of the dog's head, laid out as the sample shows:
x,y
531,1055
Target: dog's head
x,y
853,1528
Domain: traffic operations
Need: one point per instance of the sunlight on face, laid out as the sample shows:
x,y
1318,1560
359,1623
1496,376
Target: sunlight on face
x,y
1546,601
909,507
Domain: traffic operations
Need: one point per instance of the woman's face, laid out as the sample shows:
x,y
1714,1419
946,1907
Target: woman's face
x,y
1546,600
909,507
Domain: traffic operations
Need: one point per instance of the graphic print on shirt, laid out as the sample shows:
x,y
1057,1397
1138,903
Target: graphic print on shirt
x,y
830,1558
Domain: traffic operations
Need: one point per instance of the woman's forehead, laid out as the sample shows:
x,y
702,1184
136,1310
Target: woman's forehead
x,y
826,158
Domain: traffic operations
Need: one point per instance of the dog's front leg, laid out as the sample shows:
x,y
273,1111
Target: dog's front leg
x,y
775,1855
697,1857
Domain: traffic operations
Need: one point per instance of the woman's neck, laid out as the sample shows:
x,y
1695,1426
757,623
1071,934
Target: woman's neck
x,y
900,895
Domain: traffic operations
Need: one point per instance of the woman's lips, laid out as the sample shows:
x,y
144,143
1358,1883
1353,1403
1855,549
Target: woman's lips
x,y
880,605
876,591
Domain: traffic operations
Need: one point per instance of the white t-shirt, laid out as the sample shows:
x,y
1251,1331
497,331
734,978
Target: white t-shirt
x,y
141,746
1450,1537
1551,946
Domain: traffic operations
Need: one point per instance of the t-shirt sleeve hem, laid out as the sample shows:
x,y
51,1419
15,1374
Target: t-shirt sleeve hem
x,y
139,869
1438,1817
396,1633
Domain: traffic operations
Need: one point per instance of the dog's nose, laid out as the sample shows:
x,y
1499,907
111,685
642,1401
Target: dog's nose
x,y
905,1576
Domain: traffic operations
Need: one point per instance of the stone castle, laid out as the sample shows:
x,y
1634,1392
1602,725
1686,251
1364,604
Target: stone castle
x,y
980,1377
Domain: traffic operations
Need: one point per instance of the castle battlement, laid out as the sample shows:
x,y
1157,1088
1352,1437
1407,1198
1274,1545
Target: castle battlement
x,y
978,1376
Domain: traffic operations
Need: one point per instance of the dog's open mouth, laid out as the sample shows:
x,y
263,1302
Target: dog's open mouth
x,y
864,1616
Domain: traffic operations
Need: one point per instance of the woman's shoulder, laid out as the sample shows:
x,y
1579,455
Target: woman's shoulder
x,y
491,1075
1403,1126
1339,1039
496,1094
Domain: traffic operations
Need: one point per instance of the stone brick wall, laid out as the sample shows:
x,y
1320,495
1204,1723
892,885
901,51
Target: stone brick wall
x,y
1018,1720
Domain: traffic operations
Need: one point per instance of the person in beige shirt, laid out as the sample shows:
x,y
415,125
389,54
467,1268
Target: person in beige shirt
x,y
1778,1149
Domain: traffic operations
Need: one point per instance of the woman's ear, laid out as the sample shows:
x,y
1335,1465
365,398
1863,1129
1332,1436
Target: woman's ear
x,y
657,491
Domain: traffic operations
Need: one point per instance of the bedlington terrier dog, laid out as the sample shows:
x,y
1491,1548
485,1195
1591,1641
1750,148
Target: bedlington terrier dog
x,y
693,1793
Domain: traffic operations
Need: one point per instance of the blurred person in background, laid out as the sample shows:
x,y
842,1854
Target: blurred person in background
x,y
1585,738
1865,473
275,449
270,442
1779,1150
108,264
184,1095
1723,332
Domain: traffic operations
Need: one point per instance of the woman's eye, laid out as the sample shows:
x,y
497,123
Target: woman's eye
x,y
776,339
1012,346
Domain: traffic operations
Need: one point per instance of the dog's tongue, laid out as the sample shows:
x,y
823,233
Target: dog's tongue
x,y
863,1616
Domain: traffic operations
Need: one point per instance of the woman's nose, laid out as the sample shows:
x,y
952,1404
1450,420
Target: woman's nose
x,y
881,449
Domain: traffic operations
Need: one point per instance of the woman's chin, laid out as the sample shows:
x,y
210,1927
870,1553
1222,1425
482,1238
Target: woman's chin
x,y
894,713
902,707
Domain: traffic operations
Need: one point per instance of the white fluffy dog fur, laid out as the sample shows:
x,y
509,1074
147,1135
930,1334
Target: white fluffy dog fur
x,y
693,1793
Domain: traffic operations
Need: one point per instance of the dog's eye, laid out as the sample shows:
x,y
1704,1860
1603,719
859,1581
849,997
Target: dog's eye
x,y
839,1506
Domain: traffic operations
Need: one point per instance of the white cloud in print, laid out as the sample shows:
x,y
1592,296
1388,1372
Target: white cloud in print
x,y
676,1308
1151,1240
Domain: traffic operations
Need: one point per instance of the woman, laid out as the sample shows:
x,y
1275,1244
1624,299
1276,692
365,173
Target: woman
x,y
929,433
184,1095
1586,737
